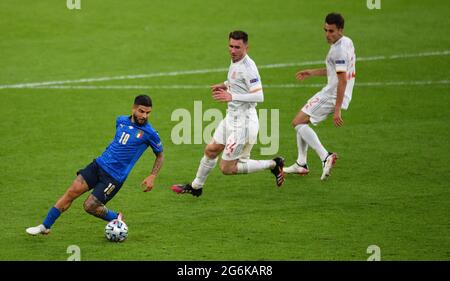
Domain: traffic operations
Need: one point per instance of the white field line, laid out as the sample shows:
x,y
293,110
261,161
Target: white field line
x,y
366,84
273,86
204,71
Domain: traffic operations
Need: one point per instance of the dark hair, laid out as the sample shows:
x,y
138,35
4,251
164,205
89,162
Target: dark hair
x,y
239,35
143,100
335,18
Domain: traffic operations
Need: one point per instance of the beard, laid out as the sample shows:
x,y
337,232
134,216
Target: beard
x,y
140,121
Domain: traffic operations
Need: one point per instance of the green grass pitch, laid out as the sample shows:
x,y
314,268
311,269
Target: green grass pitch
x,y
390,186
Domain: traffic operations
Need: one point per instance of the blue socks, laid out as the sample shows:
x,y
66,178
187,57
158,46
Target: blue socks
x,y
111,215
52,215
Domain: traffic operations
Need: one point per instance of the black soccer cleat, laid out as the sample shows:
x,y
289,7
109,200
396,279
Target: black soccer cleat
x,y
278,171
186,188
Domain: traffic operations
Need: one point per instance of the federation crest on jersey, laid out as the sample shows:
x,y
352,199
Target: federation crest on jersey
x,y
139,134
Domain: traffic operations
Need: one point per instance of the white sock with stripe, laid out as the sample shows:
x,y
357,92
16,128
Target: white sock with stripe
x,y
311,138
302,147
251,166
205,167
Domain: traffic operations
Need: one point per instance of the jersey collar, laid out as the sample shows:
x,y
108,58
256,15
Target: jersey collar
x,y
239,61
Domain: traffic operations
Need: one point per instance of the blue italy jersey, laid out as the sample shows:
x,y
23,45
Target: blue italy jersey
x,y
130,141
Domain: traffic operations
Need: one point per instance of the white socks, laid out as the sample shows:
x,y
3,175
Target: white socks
x,y
302,147
205,167
310,138
251,166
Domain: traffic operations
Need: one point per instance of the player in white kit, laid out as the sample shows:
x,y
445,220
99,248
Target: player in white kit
x,y
236,134
336,95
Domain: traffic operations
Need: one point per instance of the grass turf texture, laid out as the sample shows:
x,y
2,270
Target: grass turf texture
x,y
389,187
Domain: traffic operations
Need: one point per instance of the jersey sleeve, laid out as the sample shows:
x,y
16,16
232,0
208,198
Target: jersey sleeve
x,y
340,61
253,80
117,121
155,142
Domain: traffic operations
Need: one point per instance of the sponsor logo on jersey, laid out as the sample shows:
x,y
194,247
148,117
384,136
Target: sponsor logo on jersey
x,y
340,61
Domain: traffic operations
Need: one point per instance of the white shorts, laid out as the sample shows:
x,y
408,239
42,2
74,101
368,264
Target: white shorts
x,y
238,132
319,107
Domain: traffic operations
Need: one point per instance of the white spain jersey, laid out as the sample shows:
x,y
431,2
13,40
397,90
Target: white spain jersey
x,y
341,58
243,79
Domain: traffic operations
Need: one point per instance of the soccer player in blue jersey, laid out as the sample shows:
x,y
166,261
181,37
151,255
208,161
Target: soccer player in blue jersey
x,y
107,173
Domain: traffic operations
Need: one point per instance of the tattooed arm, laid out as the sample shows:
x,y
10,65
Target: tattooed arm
x,y
147,184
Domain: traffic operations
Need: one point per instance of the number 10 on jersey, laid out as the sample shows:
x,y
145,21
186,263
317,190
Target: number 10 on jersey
x,y
124,138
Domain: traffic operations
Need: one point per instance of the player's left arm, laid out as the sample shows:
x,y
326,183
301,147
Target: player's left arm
x,y
148,183
342,84
222,95
253,84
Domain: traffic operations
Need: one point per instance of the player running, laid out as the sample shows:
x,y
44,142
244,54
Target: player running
x,y
107,173
236,134
336,95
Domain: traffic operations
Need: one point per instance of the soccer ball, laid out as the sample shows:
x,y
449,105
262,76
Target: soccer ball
x,y
116,231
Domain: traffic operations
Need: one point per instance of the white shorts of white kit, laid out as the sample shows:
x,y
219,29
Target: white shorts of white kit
x,y
320,106
238,132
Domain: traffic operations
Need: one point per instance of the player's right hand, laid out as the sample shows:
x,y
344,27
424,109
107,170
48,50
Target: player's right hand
x,y
218,86
147,184
221,95
303,74
337,118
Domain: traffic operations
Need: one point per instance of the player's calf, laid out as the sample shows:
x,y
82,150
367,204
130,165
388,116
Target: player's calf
x,y
93,206
96,208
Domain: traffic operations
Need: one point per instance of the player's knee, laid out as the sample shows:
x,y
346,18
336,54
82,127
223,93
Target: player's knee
x,y
301,118
227,169
297,122
210,152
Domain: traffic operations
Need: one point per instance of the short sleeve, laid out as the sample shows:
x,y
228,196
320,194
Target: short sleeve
x,y
252,80
340,61
155,142
117,121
